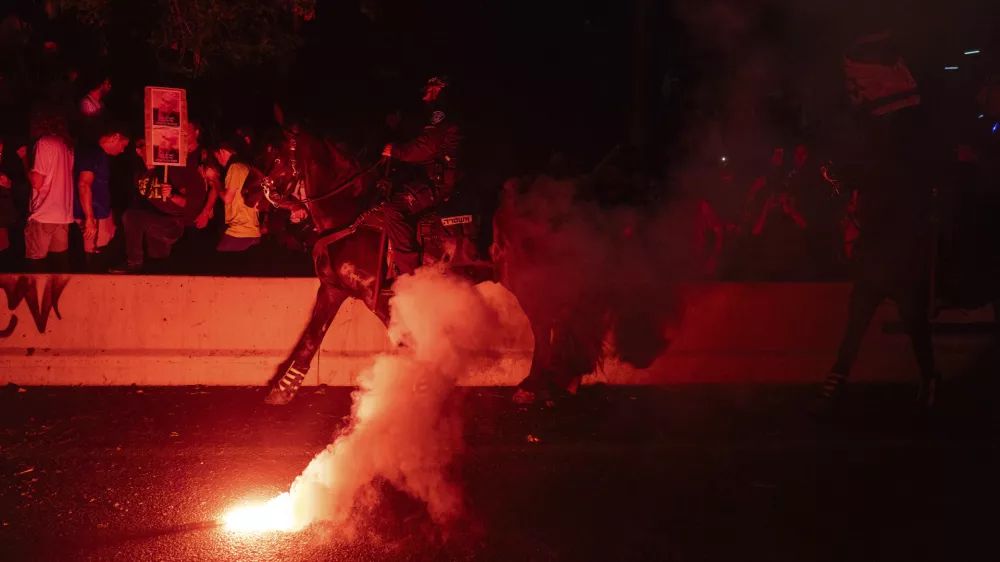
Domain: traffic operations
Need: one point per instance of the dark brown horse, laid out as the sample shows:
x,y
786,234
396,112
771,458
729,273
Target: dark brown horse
x,y
309,173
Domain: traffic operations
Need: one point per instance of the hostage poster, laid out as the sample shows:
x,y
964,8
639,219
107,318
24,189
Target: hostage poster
x,y
166,117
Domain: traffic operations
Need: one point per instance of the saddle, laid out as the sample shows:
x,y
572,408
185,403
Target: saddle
x,y
448,239
448,235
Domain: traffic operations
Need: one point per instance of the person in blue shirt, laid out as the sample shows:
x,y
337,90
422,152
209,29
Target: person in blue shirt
x,y
92,204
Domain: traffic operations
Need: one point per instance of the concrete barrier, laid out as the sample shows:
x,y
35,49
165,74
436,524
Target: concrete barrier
x,y
109,330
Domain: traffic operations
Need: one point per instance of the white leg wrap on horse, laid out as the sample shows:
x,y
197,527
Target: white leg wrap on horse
x,y
292,380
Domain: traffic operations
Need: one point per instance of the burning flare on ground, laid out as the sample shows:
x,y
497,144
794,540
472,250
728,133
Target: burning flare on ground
x,y
278,514
402,427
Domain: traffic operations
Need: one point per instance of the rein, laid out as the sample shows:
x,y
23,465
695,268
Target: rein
x,y
268,185
344,185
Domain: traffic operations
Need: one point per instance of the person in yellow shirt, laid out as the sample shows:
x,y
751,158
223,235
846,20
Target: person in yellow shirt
x,y
242,222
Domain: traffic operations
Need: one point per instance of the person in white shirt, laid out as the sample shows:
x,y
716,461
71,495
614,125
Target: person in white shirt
x,y
93,103
51,208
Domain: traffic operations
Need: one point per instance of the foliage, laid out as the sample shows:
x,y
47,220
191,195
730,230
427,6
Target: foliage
x,y
193,36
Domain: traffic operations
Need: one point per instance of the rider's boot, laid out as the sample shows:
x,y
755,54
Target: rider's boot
x,y
283,391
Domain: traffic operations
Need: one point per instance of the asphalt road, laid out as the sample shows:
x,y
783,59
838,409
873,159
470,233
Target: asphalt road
x,y
685,473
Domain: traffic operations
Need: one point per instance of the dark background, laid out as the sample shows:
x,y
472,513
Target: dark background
x,y
679,80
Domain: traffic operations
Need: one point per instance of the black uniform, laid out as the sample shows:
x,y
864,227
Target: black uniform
x,y
890,157
894,168
435,152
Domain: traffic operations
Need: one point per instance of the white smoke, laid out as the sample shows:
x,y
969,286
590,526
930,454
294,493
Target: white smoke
x,y
404,428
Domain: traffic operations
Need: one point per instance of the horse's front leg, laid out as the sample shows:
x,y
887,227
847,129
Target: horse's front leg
x,y
292,372
540,374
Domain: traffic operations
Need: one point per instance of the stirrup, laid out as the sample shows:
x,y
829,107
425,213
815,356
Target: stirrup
x,y
287,387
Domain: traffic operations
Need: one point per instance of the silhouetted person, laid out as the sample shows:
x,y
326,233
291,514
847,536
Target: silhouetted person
x,y
892,163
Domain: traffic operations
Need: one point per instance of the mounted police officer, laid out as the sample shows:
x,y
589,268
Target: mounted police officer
x,y
435,153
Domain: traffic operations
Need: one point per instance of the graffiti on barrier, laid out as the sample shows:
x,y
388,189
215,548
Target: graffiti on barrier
x,y
40,303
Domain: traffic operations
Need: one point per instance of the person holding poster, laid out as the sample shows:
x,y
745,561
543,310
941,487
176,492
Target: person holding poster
x,y
156,217
162,210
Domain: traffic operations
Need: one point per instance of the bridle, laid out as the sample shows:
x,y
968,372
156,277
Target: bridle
x,y
268,187
267,184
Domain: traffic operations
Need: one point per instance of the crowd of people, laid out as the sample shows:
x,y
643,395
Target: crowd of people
x,y
787,220
82,197
77,195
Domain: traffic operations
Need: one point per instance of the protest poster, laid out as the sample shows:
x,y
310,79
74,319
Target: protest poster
x,y
166,118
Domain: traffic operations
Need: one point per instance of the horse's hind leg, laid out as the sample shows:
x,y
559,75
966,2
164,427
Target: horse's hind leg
x,y
293,371
540,375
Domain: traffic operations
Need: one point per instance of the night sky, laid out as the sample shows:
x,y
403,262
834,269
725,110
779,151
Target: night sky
x,y
533,77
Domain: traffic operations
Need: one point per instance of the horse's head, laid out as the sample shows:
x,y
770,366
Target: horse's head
x,y
283,169
308,172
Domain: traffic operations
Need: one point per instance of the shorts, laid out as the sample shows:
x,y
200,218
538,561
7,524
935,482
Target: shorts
x,y
234,244
105,232
42,238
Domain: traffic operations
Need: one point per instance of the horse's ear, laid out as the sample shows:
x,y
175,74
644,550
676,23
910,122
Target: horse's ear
x,y
279,115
